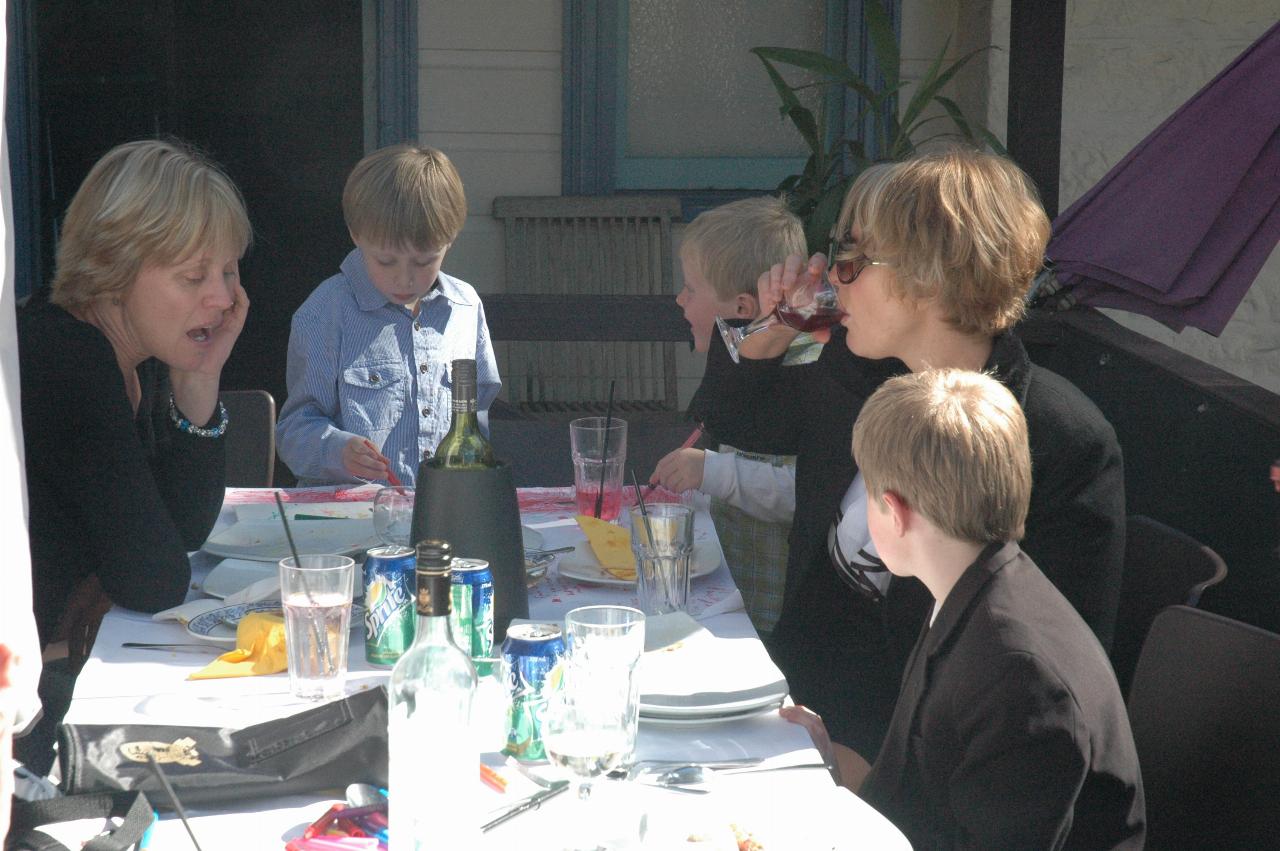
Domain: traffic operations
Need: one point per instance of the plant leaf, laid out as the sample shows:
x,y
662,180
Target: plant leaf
x,y
816,63
957,116
804,121
883,42
992,140
933,82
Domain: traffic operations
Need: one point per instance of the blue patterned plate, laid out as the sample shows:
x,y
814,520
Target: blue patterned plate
x,y
219,625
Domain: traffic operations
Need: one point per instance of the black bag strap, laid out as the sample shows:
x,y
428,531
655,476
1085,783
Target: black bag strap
x,y
131,807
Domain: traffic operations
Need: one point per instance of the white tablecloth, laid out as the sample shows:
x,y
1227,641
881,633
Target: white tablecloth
x,y
797,808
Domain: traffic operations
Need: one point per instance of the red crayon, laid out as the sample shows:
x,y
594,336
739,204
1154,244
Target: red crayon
x,y
321,824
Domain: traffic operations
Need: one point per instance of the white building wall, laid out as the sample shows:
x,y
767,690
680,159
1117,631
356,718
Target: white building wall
x,y
489,97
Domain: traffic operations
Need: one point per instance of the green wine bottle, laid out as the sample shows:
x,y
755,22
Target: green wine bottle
x,y
464,447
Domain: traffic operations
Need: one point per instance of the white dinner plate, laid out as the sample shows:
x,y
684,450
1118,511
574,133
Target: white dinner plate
x,y
264,540
706,720
235,574
708,705
581,564
219,625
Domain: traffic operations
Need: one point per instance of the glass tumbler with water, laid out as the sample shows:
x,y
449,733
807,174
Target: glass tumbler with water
x,y
317,616
662,542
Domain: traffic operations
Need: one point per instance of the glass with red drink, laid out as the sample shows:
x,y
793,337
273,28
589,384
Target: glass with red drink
x,y
804,310
599,456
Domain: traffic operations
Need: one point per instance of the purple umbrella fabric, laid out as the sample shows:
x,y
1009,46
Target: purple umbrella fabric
x,y
1179,228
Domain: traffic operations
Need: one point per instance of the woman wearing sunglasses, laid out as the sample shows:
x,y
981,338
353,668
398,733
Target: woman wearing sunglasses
x,y
934,259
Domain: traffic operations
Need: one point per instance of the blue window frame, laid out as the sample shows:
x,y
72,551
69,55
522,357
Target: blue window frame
x,y
595,106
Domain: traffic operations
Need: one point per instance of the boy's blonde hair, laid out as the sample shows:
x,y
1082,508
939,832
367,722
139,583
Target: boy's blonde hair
x,y
151,202
733,243
405,196
960,226
953,445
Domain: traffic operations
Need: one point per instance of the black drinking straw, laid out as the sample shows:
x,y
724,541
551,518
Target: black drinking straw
x,y
173,798
322,644
644,511
604,452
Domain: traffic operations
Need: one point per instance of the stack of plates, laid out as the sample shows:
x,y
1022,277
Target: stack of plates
x,y
690,677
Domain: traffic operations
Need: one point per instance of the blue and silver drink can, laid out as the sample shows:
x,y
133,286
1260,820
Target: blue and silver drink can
x,y
389,614
471,616
532,651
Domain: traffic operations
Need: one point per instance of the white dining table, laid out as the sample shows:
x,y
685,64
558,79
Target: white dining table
x,y
792,805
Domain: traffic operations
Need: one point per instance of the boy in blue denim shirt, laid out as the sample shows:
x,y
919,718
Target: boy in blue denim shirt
x,y
369,350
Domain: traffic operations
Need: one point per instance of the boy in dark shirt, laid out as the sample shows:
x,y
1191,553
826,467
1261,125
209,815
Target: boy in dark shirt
x,y
1009,730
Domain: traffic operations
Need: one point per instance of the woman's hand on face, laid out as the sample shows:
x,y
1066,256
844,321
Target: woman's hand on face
x,y
195,391
680,471
224,338
362,460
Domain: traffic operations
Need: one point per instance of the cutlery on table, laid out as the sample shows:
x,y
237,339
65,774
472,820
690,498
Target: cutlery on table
x,y
550,788
181,648
539,551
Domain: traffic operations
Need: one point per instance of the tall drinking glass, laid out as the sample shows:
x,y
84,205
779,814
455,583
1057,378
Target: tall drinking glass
x,y
599,456
592,714
317,615
662,542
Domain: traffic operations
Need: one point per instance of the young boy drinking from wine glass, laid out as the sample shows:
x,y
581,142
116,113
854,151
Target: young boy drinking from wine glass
x,y
370,348
1009,729
752,495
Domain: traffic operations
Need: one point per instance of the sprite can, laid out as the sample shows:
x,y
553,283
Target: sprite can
x,y
471,616
389,613
532,651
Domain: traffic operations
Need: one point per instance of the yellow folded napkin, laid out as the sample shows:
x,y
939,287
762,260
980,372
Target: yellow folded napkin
x,y
259,650
611,545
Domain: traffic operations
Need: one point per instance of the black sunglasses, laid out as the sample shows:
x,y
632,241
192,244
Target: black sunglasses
x,y
851,265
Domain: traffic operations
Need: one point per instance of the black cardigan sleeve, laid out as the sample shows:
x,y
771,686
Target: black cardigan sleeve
x,y
1076,522
751,405
122,497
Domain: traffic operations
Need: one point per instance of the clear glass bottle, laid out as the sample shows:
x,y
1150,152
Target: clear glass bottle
x,y
464,447
434,758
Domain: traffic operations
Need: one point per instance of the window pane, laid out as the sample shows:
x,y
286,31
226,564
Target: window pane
x,y
695,90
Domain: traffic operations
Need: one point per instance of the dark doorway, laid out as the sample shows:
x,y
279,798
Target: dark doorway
x,y
272,91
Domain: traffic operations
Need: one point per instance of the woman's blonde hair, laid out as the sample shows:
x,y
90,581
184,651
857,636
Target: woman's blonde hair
x,y
151,202
960,226
405,196
953,445
733,243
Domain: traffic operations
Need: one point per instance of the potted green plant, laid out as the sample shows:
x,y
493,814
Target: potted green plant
x,y
815,194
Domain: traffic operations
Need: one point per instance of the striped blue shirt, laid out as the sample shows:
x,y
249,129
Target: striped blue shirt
x,y
361,366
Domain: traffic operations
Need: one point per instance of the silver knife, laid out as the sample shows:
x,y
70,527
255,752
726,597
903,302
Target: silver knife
x,y
530,803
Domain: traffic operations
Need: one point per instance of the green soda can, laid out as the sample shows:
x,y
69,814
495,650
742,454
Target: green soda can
x,y
533,652
389,616
471,618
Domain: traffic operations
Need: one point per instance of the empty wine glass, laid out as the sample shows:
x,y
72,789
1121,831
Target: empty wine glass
x,y
393,515
589,723
807,309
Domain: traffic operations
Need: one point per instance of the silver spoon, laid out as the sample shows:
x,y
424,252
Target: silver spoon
x,y
363,795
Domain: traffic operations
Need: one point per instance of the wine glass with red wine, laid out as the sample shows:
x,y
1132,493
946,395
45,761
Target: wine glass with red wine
x,y
803,310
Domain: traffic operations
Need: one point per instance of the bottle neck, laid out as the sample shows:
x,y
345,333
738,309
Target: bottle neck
x,y
433,630
464,400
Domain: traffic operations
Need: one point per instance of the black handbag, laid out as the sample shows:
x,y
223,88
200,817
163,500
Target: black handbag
x,y
327,747
27,816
